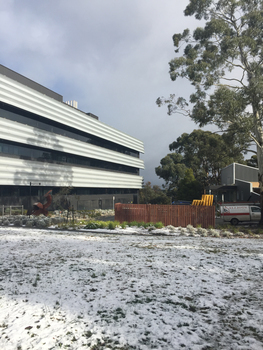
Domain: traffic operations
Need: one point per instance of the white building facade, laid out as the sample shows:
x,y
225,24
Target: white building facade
x,y
48,144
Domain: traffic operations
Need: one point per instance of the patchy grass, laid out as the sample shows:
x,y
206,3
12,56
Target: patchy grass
x,y
78,290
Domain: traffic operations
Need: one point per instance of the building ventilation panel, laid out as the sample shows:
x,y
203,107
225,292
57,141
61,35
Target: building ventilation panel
x,y
72,103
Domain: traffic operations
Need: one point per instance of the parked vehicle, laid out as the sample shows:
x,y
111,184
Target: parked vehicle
x,y
240,213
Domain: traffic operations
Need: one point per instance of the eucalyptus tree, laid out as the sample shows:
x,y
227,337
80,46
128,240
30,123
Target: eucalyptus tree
x,y
223,59
206,153
172,170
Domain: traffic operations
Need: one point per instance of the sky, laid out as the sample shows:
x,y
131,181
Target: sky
x,y
111,56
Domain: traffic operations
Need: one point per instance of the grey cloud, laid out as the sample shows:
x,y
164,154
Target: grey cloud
x,y
110,55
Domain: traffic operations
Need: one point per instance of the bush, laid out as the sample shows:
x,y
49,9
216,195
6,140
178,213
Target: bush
x,y
151,228
158,225
103,224
93,213
123,224
17,223
94,225
29,223
171,228
191,229
133,223
112,225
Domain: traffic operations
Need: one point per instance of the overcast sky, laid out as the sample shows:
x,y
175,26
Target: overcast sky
x,y
111,56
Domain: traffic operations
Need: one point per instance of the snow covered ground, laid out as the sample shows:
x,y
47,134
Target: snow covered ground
x,y
84,290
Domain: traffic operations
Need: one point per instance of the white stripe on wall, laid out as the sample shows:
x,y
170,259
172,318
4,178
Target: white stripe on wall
x,y
21,172
29,135
21,96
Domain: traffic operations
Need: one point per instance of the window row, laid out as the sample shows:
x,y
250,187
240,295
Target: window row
x,y
24,117
43,155
40,191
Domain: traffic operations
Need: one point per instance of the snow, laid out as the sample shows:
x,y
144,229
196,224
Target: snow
x,y
109,290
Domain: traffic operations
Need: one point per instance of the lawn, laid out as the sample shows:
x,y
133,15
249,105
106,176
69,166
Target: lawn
x,y
83,290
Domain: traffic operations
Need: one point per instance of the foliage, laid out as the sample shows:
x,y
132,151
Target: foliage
x,y
111,225
253,161
158,224
223,62
60,200
201,153
206,153
153,195
172,170
124,224
96,224
189,188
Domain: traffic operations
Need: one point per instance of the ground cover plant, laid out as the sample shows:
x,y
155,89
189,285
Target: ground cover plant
x,y
83,290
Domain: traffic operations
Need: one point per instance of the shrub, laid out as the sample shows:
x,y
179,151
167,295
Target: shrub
x,y
29,223
92,225
211,231
102,224
158,225
235,229
216,234
259,231
113,224
133,223
17,223
201,231
171,228
41,223
183,231
191,229
123,224
93,213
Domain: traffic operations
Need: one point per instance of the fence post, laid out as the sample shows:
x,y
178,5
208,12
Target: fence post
x,y
22,210
10,210
3,210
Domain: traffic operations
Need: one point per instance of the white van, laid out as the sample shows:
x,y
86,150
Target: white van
x,y
240,213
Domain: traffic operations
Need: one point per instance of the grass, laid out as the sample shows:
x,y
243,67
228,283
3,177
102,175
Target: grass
x,y
111,225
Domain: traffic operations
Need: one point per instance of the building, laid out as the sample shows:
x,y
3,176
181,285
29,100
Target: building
x,y
239,183
48,144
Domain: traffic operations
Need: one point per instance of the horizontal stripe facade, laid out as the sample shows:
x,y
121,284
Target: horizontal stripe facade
x,y
21,172
25,134
21,96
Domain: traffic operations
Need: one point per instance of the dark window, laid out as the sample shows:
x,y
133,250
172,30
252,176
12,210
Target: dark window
x,y
255,209
43,155
24,117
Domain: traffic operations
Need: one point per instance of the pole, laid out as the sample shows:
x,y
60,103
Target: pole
x,y
223,207
30,199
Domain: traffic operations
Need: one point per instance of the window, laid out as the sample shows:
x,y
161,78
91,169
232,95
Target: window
x,y
24,117
37,153
255,210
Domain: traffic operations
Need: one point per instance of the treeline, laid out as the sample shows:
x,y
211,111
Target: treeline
x,y
194,164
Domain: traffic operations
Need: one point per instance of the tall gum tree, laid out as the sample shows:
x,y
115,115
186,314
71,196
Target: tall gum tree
x,y
223,60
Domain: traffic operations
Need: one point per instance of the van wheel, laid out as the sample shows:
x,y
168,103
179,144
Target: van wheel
x,y
234,222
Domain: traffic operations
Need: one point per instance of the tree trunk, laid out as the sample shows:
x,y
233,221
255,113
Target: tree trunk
x,y
259,138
